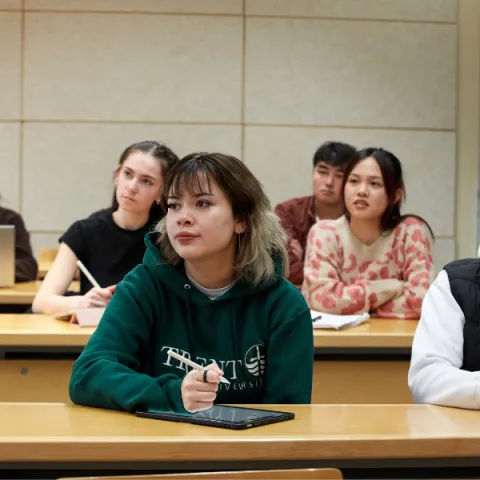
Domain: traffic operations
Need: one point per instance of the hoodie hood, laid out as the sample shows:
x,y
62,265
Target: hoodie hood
x,y
175,277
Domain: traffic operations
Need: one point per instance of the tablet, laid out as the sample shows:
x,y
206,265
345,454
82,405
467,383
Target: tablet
x,y
222,416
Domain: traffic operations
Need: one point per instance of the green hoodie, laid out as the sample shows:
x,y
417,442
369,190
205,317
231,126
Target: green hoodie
x,y
261,337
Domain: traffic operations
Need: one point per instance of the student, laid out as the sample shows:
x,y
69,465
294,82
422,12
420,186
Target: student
x,y
298,215
211,289
110,242
373,259
25,264
445,364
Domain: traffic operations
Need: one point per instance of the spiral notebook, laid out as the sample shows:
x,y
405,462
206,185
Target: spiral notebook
x,y
337,322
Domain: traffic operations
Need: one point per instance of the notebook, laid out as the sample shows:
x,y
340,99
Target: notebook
x,y
84,317
337,322
7,255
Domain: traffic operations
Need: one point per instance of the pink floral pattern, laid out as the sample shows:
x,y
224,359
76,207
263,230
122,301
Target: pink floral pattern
x,y
388,279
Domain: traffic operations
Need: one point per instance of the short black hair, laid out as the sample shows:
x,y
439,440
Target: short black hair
x,y
337,154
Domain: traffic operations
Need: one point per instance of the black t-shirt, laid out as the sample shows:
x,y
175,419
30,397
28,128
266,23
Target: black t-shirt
x,y
108,251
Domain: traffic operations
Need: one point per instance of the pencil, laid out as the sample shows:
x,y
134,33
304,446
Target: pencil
x,y
83,268
171,353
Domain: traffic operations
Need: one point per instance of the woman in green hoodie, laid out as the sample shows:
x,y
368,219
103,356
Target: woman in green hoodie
x,y
211,288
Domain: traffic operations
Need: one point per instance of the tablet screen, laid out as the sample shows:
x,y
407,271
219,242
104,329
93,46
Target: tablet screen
x,y
222,416
235,415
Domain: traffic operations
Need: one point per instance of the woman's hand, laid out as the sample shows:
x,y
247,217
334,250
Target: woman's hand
x,y
97,297
198,395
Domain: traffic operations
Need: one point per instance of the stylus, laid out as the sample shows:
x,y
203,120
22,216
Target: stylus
x,y
192,364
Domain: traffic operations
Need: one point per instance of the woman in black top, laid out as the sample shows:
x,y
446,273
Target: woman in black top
x,y
110,242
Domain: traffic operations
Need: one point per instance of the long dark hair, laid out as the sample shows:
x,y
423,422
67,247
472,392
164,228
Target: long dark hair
x,y
392,175
167,160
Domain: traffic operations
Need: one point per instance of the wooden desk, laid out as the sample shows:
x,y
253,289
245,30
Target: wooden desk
x,y
24,293
375,333
43,268
347,368
367,364
55,436
37,354
41,331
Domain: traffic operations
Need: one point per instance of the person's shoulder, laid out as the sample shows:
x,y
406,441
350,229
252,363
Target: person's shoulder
x,y
288,295
9,217
329,228
83,225
103,214
285,303
142,283
98,220
296,202
412,221
463,269
415,227
88,228
140,277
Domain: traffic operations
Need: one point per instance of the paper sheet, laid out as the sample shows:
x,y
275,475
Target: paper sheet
x,y
337,322
84,317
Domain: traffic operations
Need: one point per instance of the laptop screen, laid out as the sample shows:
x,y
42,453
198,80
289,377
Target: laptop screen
x,y
7,255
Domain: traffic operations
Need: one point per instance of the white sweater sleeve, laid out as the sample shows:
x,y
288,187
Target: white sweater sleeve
x,y
437,352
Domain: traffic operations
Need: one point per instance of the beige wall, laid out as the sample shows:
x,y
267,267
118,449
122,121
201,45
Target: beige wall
x,y
267,80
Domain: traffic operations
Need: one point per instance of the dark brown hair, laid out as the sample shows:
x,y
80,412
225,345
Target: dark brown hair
x,y
263,237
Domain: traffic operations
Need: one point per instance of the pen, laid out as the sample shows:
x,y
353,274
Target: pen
x,y
171,353
83,268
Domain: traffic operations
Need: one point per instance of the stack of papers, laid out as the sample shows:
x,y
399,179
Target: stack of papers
x,y
337,322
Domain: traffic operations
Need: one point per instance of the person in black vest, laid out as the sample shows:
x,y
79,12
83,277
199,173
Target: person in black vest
x,y
110,242
445,364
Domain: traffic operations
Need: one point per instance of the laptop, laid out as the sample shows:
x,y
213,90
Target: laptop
x,y
7,255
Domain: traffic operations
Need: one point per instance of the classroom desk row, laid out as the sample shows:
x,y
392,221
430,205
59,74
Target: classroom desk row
x,y
55,437
367,364
24,293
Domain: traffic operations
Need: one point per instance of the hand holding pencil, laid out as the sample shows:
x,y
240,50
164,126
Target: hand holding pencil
x,y
200,385
97,296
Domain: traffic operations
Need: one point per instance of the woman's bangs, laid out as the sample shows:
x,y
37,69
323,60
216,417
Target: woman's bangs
x,y
193,181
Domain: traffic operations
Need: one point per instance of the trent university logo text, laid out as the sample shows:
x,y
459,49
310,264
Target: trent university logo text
x,y
255,360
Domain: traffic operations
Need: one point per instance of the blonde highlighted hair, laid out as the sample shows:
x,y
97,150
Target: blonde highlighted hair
x,y
263,238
